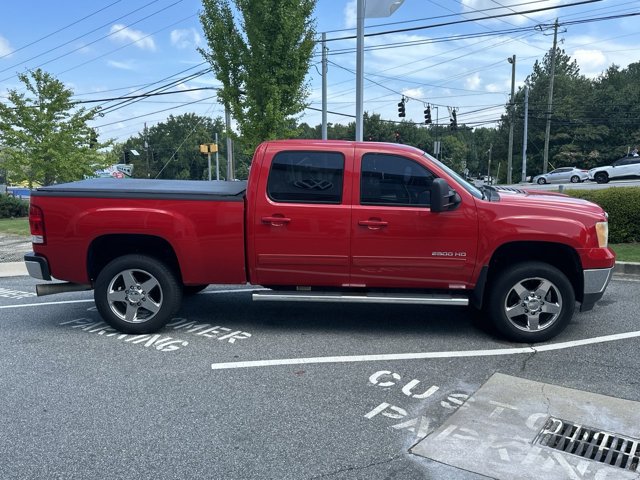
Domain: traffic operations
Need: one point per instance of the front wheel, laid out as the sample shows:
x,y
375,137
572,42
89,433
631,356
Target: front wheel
x,y
531,302
137,294
601,177
541,181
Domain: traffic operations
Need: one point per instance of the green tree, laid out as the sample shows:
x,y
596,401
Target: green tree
x,y
170,149
263,67
46,138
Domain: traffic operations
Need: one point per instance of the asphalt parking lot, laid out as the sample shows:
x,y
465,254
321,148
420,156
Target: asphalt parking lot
x,y
234,389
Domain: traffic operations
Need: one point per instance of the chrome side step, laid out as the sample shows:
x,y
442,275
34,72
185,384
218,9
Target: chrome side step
x,y
427,299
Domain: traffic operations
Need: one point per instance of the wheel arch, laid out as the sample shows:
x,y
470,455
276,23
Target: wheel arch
x,y
106,248
561,256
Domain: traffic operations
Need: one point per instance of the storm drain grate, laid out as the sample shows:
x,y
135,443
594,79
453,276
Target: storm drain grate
x,y
586,442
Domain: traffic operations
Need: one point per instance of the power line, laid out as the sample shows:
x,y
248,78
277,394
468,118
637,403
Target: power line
x,y
76,38
458,22
59,30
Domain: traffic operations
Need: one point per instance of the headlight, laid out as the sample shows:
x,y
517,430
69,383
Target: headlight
x,y
602,230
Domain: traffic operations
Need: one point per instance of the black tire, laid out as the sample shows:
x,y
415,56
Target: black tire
x,y
601,177
575,179
531,302
189,290
137,294
541,181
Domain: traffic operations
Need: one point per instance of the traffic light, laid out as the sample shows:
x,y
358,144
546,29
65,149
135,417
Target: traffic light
x,y
427,115
401,112
127,155
454,121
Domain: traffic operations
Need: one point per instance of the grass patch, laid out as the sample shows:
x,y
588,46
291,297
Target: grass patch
x,y
15,226
627,252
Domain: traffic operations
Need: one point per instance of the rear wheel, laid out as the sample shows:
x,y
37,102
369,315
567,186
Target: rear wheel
x,y
531,302
541,181
601,177
137,294
575,179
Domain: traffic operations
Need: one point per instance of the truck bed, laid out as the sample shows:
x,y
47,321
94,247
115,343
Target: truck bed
x,y
147,189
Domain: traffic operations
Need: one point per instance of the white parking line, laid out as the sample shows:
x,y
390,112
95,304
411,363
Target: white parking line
x,y
426,355
23,305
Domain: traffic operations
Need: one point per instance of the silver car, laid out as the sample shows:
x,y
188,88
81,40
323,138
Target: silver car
x,y
562,175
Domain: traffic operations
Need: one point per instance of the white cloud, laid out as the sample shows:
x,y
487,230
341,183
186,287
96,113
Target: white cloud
x,y
197,95
473,82
509,7
121,65
413,92
350,14
139,38
185,38
5,48
591,62
493,88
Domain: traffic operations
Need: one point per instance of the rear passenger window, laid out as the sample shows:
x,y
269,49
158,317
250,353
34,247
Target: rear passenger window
x,y
306,177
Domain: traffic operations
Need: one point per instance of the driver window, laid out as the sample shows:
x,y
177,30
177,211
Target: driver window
x,y
394,180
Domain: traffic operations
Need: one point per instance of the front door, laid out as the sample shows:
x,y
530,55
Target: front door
x,y
396,240
301,225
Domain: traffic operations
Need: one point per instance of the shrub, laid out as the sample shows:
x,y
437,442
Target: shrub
x,y
621,203
11,207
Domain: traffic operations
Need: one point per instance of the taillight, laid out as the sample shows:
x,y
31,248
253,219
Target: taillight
x,y
36,224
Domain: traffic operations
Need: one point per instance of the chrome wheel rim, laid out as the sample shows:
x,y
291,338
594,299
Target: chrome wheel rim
x,y
134,296
533,304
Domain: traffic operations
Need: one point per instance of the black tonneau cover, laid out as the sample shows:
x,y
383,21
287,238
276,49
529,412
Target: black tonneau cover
x,y
147,189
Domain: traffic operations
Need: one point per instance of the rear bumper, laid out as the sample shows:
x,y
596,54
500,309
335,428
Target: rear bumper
x,y
595,283
37,266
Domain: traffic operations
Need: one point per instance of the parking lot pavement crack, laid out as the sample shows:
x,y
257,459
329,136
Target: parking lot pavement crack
x,y
356,468
527,359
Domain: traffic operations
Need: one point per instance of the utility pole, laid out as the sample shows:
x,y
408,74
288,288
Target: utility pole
x,y
524,139
489,164
217,161
227,118
512,61
146,149
324,86
550,101
360,9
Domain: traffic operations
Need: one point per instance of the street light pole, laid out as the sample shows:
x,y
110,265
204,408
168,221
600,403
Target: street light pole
x,y
512,61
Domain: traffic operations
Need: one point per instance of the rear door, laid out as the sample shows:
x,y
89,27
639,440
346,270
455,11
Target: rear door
x,y
302,217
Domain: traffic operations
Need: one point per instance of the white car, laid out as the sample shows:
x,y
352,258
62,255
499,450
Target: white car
x,y
626,167
562,175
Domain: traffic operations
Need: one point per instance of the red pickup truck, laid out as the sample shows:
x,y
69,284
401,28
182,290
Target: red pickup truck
x,y
325,221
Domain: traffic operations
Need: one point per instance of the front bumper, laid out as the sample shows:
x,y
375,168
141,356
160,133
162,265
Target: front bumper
x,y
37,266
595,283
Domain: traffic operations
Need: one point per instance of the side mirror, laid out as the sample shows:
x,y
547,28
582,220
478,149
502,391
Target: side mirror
x,y
442,197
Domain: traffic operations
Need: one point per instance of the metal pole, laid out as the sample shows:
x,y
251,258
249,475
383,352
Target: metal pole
x,y
524,139
324,86
227,117
489,164
512,61
209,164
217,162
550,100
359,71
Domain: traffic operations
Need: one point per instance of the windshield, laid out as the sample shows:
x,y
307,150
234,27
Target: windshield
x,y
472,189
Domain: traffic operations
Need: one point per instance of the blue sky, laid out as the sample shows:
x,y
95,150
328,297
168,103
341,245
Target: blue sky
x,y
109,48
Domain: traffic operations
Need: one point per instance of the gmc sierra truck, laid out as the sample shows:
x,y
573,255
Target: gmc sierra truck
x,y
325,221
